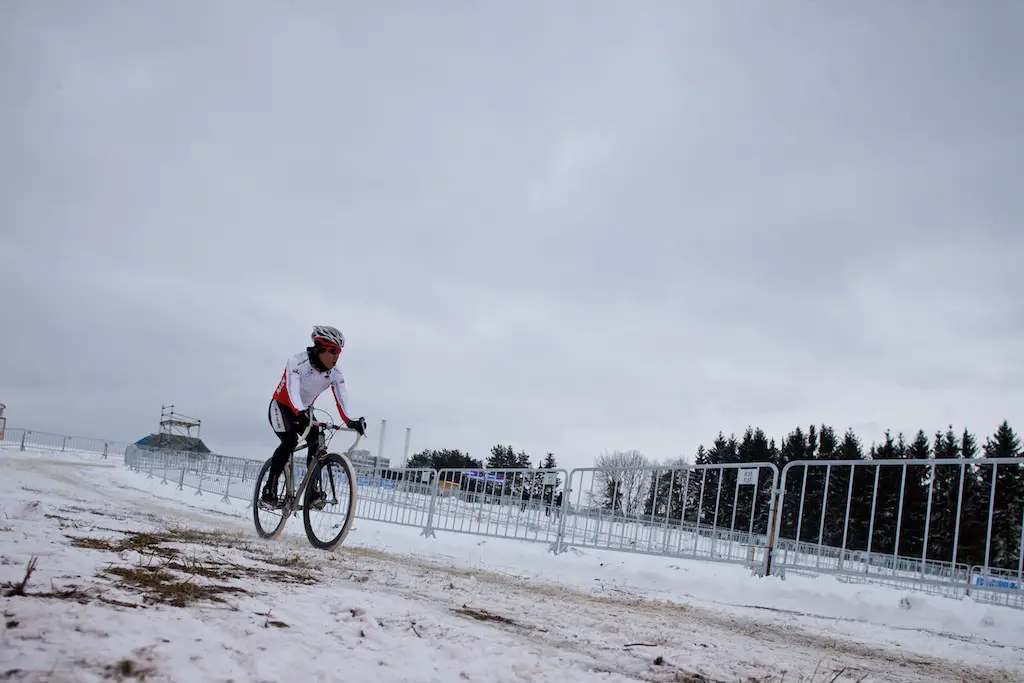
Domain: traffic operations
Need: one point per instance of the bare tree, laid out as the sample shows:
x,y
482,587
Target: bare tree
x,y
673,490
624,485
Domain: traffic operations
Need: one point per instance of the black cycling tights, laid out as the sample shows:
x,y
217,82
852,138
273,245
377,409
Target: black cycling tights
x,y
287,425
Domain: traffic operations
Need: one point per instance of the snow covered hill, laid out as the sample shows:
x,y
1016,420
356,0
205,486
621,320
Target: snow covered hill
x,y
132,580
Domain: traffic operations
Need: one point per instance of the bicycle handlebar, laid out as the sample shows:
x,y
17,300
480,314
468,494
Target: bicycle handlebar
x,y
337,428
334,427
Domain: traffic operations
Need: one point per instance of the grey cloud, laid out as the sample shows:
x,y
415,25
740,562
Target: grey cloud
x,y
567,230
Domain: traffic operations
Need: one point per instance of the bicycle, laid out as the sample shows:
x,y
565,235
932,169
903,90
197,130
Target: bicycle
x,y
322,463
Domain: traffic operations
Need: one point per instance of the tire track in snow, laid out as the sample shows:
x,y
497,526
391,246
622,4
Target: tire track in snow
x,y
682,632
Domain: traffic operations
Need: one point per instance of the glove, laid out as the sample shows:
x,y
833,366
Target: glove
x,y
357,425
304,417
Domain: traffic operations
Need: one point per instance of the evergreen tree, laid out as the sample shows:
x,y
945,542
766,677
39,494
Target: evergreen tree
x,y
700,477
673,490
836,514
812,443
867,481
963,483
794,447
657,503
443,459
1006,518
879,519
917,480
752,515
821,485
945,495
821,445
512,483
717,454
422,460
827,443
974,516
504,457
719,484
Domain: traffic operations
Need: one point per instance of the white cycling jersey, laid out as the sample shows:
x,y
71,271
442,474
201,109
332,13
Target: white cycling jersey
x,y
301,383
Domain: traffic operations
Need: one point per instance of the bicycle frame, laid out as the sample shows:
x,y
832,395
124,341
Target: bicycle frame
x,y
320,452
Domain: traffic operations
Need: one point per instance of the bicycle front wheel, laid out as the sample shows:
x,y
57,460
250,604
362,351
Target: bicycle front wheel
x,y
328,522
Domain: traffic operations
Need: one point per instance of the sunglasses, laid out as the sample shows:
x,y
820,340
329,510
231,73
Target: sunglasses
x,y
332,349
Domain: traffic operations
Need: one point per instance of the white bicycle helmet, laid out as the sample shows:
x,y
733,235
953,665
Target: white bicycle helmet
x,y
325,335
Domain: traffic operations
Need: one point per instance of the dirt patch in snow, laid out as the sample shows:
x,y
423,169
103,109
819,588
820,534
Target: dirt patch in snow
x,y
171,567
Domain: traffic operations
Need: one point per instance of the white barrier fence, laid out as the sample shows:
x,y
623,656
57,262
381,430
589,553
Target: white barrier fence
x,y
943,525
740,513
45,441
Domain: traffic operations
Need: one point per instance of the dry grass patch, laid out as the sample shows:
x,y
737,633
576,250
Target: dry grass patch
x,y
163,585
294,562
484,615
155,542
175,567
145,544
71,593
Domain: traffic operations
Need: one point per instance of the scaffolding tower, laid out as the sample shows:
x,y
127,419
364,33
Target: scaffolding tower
x,y
176,424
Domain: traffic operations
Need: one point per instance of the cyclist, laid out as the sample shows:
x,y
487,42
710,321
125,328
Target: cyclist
x,y
305,377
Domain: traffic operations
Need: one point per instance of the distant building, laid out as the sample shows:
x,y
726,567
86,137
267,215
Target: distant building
x,y
363,462
173,442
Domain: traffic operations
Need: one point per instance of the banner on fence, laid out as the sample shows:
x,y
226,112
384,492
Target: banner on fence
x,y
993,582
379,483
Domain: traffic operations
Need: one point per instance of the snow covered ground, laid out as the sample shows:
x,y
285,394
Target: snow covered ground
x,y
134,580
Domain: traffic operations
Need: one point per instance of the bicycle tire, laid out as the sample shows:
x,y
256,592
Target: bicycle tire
x,y
257,492
307,499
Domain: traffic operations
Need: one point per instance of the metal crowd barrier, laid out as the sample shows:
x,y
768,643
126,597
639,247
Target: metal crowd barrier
x,y
919,528
30,439
809,518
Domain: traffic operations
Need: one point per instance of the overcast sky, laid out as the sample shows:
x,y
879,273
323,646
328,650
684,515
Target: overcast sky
x,y
564,226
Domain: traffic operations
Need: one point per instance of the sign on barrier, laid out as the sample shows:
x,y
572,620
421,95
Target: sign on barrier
x,y
363,480
993,582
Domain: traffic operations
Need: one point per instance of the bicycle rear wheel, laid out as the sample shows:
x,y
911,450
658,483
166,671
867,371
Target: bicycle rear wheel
x,y
276,519
326,529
